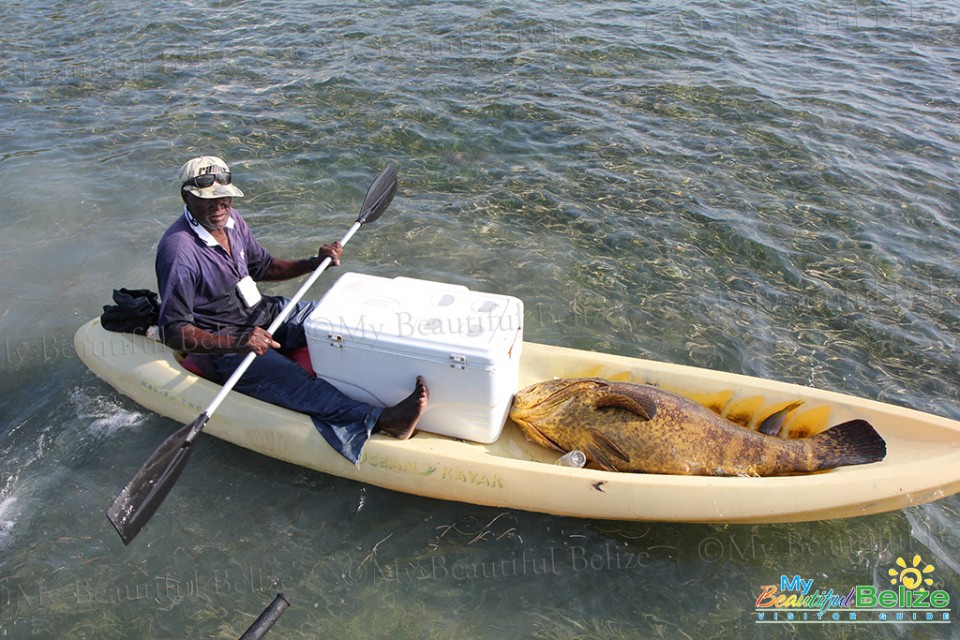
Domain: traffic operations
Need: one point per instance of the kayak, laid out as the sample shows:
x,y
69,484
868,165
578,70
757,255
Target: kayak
x,y
922,462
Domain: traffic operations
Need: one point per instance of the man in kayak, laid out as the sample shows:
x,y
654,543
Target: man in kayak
x,y
208,264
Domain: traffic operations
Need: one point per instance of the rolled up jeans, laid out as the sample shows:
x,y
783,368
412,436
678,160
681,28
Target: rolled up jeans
x,y
344,423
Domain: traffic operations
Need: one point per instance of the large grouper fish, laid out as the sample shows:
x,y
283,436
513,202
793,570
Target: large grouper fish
x,y
624,426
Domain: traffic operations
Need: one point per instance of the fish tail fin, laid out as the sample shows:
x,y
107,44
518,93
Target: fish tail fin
x,y
848,443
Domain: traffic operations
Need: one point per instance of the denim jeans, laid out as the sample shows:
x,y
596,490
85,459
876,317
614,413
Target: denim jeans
x,y
345,424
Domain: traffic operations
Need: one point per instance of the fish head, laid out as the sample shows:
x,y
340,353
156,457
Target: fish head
x,y
547,396
535,408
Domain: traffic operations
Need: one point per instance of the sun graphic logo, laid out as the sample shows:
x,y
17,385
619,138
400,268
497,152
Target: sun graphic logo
x,y
912,577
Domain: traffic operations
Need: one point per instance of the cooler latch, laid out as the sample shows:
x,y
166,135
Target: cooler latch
x,y
458,361
335,340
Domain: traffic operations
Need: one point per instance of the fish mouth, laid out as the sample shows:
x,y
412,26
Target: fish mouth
x,y
525,412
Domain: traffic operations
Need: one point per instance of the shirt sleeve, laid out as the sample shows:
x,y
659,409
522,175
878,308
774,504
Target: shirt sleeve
x,y
178,286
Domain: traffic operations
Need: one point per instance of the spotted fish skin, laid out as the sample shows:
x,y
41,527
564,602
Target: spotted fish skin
x,y
625,426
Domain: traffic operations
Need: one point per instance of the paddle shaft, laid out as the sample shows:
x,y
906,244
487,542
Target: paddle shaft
x,y
266,619
279,320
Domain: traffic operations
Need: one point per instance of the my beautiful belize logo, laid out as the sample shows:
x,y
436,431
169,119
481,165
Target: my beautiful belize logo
x,y
795,600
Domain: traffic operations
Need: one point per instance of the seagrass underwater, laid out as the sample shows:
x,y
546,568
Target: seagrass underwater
x,y
525,563
914,595
20,598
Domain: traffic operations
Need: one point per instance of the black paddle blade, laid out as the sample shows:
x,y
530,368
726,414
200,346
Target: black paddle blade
x,y
143,495
379,195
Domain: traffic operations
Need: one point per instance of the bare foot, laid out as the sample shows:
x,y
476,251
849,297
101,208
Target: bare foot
x,y
400,420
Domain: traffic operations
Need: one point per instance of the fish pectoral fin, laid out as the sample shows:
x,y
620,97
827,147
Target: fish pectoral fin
x,y
773,423
600,449
599,457
644,409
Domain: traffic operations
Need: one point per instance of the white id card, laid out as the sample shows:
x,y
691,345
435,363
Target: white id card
x,y
247,289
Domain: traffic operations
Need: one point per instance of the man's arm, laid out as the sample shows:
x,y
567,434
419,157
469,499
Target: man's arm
x,y
281,269
193,339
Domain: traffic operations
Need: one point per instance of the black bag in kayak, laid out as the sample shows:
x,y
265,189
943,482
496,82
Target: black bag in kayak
x,y
136,311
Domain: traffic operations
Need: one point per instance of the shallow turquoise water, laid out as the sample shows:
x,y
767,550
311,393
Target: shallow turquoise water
x,y
765,188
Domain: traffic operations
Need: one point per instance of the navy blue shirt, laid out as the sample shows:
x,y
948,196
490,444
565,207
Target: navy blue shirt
x,y
198,278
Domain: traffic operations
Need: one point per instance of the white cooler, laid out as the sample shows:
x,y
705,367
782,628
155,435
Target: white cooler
x,y
371,336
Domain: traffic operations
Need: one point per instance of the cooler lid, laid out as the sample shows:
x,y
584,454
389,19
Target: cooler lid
x,y
419,318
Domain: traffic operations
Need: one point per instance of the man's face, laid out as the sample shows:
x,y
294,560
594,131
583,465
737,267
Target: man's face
x,y
211,213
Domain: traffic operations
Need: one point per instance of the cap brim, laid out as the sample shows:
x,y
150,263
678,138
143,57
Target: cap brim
x,y
216,191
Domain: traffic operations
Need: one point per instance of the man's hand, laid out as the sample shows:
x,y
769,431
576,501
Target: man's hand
x,y
260,341
281,269
333,251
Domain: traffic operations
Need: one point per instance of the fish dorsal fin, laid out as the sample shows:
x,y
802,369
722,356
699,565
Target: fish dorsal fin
x,y
600,448
773,423
572,388
643,408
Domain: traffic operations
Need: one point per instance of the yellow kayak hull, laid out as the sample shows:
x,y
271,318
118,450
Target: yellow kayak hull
x,y
922,462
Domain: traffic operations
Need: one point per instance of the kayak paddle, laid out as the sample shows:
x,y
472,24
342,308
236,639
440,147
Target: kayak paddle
x,y
266,619
141,498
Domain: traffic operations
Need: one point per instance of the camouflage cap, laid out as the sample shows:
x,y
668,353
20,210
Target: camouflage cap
x,y
208,177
